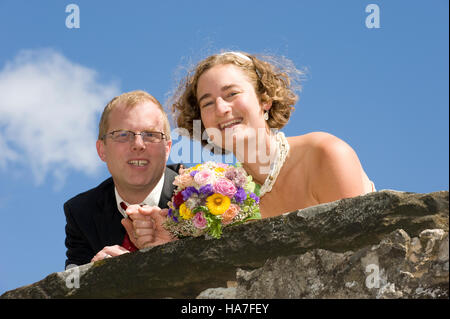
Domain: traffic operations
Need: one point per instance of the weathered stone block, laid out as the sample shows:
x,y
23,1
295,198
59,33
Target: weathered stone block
x,y
330,242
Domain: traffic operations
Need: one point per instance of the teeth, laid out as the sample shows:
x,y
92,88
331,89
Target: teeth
x,y
138,162
224,125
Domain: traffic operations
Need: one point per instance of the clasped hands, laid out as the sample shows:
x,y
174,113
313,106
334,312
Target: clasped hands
x,y
144,227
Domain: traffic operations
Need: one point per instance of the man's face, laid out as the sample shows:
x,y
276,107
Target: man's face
x,y
135,166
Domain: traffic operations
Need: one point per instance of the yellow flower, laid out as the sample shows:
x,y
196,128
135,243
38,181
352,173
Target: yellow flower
x,y
185,212
194,168
218,204
219,169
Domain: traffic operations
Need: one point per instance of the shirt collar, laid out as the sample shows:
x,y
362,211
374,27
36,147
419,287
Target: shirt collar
x,y
152,199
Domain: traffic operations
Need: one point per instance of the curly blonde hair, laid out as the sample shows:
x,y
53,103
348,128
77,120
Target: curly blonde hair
x,y
274,80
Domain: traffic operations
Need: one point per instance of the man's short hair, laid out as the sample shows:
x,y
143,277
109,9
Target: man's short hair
x,y
130,99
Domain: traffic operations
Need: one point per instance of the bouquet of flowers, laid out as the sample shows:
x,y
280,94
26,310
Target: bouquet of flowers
x,y
209,197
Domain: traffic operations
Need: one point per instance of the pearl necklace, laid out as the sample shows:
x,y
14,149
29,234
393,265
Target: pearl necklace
x,y
282,150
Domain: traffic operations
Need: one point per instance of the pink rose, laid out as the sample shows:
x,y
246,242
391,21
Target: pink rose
x,y
204,177
230,213
225,187
199,221
223,165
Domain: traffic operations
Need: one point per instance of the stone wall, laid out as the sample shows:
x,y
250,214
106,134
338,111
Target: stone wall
x,y
386,244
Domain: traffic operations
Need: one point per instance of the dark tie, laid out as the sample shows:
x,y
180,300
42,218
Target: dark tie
x,y
127,244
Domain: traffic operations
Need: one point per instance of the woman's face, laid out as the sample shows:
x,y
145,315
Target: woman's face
x,y
229,107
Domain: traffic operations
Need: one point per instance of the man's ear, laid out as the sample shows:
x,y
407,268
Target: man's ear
x,y
168,147
101,150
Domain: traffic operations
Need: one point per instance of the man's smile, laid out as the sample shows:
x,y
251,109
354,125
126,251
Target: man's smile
x,y
139,163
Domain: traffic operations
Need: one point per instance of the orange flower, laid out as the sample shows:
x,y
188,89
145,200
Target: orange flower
x,y
231,212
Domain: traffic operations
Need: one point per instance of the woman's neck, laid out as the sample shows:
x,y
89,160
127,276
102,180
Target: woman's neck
x,y
259,156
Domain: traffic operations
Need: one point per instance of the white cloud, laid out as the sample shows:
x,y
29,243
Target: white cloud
x,y
49,108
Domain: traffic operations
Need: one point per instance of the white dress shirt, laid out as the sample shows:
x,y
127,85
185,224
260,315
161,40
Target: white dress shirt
x,y
152,199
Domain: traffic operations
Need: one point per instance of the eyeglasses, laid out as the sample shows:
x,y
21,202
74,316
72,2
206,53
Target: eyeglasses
x,y
123,136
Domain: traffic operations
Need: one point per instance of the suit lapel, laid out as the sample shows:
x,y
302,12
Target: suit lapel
x,y
168,187
107,218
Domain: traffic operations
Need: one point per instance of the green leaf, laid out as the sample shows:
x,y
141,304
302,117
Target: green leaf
x,y
257,189
214,225
200,208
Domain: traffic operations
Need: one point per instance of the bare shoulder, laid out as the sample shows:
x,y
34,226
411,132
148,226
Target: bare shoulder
x,y
319,144
324,155
313,137
332,166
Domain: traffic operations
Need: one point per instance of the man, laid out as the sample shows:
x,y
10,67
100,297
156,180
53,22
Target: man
x,y
134,142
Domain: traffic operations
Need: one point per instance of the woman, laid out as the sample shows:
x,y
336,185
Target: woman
x,y
242,100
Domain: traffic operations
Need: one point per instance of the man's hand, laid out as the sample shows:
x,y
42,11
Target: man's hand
x,y
144,227
109,251
161,235
140,228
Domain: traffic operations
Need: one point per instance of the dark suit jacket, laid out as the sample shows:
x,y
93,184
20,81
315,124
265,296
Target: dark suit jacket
x,y
93,220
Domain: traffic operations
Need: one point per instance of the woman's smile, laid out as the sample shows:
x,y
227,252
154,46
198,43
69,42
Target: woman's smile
x,y
230,123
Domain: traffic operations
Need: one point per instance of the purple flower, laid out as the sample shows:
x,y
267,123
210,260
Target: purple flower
x,y
240,195
256,198
206,190
172,215
188,192
193,173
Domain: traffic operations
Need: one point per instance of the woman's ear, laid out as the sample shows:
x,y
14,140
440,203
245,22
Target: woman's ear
x,y
267,105
265,101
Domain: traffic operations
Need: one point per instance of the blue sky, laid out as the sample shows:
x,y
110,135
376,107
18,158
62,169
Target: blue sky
x,y
382,90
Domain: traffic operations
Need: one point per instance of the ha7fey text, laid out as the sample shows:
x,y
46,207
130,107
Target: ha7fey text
x,y
240,308
249,308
